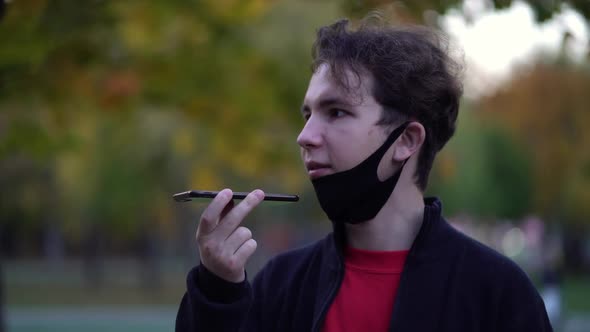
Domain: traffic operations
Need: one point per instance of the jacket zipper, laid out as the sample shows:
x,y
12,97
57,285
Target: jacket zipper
x,y
326,305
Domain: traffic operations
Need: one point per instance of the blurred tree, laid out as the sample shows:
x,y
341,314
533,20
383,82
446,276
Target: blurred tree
x,y
546,108
547,126
1,232
108,108
124,103
483,172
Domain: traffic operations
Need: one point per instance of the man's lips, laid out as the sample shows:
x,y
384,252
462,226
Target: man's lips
x,y
316,170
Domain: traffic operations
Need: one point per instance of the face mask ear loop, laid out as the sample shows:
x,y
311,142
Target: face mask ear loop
x,y
403,165
405,125
405,161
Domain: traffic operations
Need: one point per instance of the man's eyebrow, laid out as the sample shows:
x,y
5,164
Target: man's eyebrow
x,y
326,103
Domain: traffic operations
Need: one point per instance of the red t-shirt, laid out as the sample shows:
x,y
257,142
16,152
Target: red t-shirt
x,y
365,299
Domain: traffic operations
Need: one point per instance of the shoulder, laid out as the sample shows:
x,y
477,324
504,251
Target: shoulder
x,y
493,278
482,259
486,260
492,271
438,239
518,303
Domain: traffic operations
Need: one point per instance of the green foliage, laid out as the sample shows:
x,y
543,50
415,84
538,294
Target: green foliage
x,y
547,109
483,172
108,107
121,104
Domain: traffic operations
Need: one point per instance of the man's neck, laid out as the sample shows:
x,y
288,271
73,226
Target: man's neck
x,y
395,227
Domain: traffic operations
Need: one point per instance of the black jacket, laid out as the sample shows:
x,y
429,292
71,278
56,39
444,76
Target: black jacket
x,y
450,282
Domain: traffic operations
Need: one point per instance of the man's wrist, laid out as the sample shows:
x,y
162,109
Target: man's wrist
x,y
217,289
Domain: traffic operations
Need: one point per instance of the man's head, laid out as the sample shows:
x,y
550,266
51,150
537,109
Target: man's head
x,y
412,78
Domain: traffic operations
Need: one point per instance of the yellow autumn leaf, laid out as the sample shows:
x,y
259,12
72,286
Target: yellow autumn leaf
x,y
205,177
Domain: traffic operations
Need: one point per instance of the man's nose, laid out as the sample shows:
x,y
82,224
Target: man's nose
x,y
310,136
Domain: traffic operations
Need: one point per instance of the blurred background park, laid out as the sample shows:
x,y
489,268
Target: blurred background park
x,y
107,108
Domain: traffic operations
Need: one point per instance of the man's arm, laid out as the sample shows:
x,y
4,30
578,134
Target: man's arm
x,y
521,307
213,304
218,295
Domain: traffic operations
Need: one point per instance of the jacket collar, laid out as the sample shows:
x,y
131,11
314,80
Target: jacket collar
x,y
424,280
426,244
419,294
421,246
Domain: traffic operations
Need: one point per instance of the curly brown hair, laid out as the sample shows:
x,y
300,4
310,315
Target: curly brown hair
x,y
414,77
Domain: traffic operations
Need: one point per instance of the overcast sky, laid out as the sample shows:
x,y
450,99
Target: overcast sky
x,y
494,43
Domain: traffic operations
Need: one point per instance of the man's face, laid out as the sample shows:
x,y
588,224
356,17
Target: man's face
x,y
341,128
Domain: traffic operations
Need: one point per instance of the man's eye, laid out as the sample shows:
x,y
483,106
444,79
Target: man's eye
x,y
336,113
306,116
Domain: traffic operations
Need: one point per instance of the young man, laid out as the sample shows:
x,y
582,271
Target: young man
x,y
380,104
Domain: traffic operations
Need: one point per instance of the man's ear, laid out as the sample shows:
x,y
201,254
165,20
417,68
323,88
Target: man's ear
x,y
410,141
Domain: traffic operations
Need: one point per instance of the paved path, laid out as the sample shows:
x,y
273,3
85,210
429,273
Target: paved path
x,y
148,319
107,319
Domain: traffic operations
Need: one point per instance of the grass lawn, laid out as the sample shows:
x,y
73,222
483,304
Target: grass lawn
x,y
576,294
107,319
44,297
41,284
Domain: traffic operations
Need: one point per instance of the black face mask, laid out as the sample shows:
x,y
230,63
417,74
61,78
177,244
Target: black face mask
x,y
357,195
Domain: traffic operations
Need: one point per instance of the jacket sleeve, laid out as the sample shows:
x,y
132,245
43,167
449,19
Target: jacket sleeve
x,y
213,304
521,307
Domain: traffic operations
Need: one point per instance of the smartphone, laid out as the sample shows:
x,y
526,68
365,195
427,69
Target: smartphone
x,y
189,195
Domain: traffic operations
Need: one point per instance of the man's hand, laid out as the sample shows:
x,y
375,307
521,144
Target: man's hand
x,y
224,245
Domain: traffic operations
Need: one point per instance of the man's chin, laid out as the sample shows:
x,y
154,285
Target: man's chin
x,y
317,173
